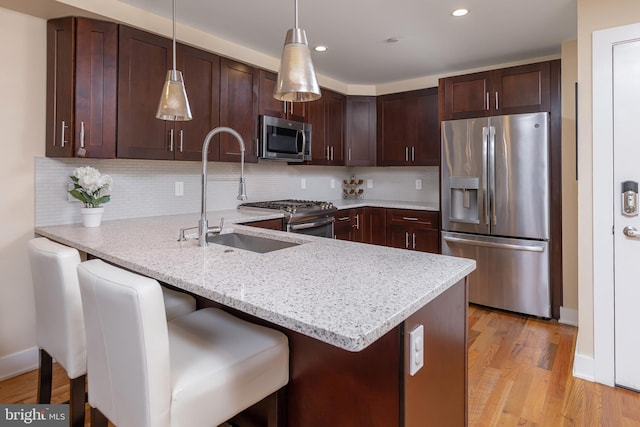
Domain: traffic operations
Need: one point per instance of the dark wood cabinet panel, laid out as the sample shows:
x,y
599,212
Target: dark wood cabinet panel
x,y
408,129
327,118
343,225
376,225
82,63
269,106
361,131
144,60
414,230
271,224
521,89
238,109
201,72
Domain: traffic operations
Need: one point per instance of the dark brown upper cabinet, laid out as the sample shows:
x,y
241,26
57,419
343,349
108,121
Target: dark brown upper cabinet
x,y
360,138
238,109
144,61
269,106
327,118
513,90
82,61
408,129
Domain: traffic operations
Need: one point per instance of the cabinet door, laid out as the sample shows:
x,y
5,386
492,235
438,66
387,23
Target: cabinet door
x,y
334,107
269,106
201,72
399,236
425,240
315,116
391,146
423,127
376,226
82,64
60,35
359,225
271,224
361,131
238,109
466,96
343,226
522,89
144,60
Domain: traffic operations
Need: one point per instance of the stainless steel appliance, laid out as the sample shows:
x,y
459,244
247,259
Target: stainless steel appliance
x,y
286,140
495,208
301,216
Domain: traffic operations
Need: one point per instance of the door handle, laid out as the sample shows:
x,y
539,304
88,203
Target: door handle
x,y
630,231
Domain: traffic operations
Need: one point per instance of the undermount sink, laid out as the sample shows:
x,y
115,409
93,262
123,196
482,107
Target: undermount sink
x,y
249,243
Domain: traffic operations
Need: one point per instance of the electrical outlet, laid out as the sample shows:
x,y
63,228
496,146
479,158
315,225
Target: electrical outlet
x,y
303,183
179,188
416,349
418,184
369,183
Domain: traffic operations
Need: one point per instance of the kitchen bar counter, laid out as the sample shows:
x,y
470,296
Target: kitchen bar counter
x,y
342,293
347,308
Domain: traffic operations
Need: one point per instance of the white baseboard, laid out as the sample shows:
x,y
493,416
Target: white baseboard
x,y
584,367
568,316
19,363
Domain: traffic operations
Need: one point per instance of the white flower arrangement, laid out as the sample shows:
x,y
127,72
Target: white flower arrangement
x,y
88,185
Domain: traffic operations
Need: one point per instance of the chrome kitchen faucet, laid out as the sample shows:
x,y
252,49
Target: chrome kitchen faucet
x,y
203,224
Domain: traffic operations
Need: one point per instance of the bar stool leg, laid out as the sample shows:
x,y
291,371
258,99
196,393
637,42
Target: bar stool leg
x,y
98,419
45,374
77,398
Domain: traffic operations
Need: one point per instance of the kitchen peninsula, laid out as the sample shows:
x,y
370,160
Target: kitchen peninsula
x,y
347,309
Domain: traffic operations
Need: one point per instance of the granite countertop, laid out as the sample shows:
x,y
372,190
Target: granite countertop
x,y
343,293
392,204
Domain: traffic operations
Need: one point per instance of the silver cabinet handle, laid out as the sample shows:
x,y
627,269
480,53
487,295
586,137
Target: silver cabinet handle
x,y
487,102
171,140
413,154
62,134
181,139
349,154
630,231
332,152
528,248
81,134
406,154
327,156
344,218
409,218
357,226
497,107
414,240
406,239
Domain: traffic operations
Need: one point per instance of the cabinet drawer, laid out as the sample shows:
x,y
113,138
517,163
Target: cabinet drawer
x,y
404,216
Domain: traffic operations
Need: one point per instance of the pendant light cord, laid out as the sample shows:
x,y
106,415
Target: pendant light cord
x,y
296,13
174,35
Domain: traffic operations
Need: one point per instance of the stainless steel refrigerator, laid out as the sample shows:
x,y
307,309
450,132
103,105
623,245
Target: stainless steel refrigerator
x,y
495,208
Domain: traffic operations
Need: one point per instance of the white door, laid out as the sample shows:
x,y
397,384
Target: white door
x,y
626,160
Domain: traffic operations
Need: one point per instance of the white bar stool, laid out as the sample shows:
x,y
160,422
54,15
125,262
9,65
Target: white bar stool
x,y
197,370
60,330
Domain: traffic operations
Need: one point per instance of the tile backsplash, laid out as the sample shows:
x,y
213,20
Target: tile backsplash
x,y
147,187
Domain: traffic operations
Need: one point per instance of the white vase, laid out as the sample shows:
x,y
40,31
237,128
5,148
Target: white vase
x,y
91,217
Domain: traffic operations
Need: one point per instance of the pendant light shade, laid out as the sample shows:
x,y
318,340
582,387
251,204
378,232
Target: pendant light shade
x,y
297,80
174,104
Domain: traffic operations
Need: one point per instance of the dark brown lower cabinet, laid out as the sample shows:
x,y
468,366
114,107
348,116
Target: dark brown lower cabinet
x,y
414,230
271,224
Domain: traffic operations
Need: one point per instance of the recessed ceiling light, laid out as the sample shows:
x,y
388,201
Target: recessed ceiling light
x,y
392,40
320,48
459,12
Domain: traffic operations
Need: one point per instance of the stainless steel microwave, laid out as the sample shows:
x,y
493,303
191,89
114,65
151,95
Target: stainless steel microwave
x,y
285,140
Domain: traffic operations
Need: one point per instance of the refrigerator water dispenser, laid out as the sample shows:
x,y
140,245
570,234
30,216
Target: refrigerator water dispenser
x,y
464,199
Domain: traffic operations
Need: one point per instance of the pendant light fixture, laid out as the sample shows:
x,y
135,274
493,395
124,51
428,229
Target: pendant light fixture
x,y
297,80
174,104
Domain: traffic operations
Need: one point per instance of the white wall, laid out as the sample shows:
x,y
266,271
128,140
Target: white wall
x,y
23,127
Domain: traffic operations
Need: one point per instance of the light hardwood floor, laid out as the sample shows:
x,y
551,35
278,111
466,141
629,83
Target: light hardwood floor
x,y
519,375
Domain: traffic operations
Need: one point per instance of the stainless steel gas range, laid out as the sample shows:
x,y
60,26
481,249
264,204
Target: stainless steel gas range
x,y
301,216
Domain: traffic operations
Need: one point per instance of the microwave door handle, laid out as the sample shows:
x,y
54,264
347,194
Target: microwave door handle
x,y
304,143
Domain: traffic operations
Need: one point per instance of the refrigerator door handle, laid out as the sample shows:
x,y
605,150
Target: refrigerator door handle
x,y
492,174
527,248
485,137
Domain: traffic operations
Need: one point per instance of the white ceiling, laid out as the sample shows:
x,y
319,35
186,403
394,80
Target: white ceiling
x,y
431,41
